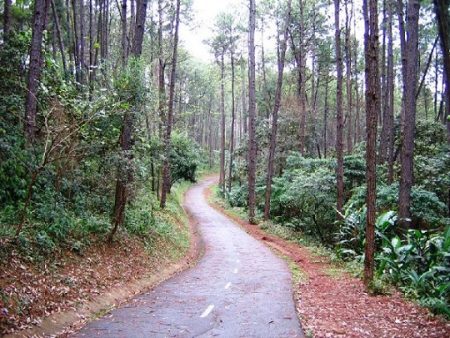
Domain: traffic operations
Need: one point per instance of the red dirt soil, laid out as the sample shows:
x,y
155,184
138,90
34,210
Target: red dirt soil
x,y
68,280
340,306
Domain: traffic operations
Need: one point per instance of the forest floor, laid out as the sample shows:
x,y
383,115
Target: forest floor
x,y
59,293
332,303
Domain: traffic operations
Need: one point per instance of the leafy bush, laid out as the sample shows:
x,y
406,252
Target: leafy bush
x,y
350,237
426,208
306,200
184,158
237,197
420,265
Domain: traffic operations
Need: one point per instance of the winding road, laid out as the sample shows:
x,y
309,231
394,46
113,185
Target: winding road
x,y
239,288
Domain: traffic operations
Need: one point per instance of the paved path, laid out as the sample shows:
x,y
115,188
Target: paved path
x,y
238,289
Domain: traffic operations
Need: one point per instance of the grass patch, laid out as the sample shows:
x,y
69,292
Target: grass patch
x,y
334,272
298,275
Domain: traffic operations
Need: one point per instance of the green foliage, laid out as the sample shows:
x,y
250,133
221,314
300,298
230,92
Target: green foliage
x,y
419,262
420,265
426,208
237,197
350,237
13,157
430,138
73,195
305,200
184,158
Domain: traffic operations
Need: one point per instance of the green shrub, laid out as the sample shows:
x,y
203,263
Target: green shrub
x,y
420,265
426,208
306,200
237,197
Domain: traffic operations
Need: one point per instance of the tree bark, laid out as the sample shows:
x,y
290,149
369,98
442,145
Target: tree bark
x,y
348,73
273,136
409,113
82,44
325,118
300,59
35,67
357,128
60,39
373,106
339,115
443,20
76,42
168,132
161,72
425,71
6,19
91,50
390,83
222,121
125,175
132,23
252,149
124,41
233,117
386,148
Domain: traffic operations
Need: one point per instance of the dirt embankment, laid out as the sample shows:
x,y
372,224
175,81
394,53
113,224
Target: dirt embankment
x,y
331,303
60,295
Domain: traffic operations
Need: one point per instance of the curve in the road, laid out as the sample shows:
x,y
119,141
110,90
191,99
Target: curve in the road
x,y
238,289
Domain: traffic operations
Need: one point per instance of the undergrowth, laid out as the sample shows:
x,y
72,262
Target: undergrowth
x,y
417,265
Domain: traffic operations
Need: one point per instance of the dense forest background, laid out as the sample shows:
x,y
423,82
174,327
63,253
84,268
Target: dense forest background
x,y
331,119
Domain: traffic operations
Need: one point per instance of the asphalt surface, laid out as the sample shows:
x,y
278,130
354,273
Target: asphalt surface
x,y
238,289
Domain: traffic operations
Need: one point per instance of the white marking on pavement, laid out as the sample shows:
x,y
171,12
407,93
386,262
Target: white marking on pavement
x,y
235,271
207,311
228,285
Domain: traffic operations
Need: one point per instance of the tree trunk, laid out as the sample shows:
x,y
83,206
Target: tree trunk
x,y
388,118
300,57
357,137
82,45
252,149
443,20
68,26
60,39
339,115
348,65
6,19
373,106
390,83
167,136
132,23
436,81
273,136
91,50
76,42
409,113
233,117
425,72
325,118
222,122
35,67
125,174
123,19
244,101
161,73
